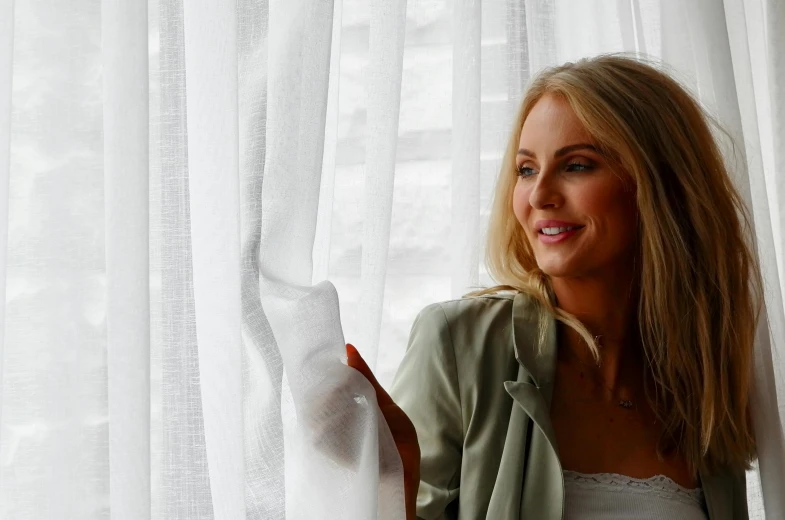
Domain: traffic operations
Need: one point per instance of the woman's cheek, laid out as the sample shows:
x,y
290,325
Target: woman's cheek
x,y
519,204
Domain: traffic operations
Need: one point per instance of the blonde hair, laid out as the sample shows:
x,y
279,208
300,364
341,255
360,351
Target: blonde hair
x,y
701,289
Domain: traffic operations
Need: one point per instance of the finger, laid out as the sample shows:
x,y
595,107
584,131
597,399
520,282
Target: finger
x,y
358,363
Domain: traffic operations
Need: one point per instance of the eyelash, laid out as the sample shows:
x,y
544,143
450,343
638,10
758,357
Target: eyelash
x,y
583,168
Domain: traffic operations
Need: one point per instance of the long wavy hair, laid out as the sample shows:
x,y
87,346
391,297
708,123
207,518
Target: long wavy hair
x,y
701,289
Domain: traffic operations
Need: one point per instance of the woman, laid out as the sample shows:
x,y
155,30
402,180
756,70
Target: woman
x,y
609,375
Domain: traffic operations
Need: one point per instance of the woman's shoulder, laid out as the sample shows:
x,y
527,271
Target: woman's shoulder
x,y
468,307
477,328
486,310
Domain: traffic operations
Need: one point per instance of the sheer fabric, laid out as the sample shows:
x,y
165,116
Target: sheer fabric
x,y
186,188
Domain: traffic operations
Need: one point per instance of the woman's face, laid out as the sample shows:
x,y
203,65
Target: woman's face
x,y
564,182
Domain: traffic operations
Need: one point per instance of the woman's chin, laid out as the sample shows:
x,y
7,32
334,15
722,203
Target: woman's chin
x,y
559,270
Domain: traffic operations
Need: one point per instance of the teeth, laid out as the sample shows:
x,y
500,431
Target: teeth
x,y
557,230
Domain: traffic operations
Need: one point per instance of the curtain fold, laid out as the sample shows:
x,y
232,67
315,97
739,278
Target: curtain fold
x,y
183,483
321,249
384,72
751,127
54,444
541,23
126,210
465,144
6,88
262,363
210,30
335,443
201,202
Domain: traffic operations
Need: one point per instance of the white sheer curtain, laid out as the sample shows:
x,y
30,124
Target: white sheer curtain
x,y
186,188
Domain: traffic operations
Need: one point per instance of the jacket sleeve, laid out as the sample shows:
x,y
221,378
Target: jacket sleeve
x,y
740,508
426,388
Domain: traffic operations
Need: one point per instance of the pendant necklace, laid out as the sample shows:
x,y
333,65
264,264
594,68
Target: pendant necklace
x,y
623,403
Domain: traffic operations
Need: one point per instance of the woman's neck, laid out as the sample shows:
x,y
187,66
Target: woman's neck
x,y
608,308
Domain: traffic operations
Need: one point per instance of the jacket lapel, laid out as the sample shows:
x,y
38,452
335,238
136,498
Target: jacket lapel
x,y
543,482
506,497
539,362
542,494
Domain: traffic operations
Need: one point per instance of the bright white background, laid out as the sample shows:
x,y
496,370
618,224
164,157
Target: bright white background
x,y
178,179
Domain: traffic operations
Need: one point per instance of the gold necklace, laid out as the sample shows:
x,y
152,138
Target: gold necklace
x,y
624,403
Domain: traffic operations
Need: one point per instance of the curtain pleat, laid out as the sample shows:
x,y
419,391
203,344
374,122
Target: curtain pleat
x,y
187,188
322,241
768,411
334,442
517,54
6,87
771,41
465,145
640,40
126,206
774,480
627,27
744,83
384,72
185,481
54,444
541,33
262,363
284,255
210,30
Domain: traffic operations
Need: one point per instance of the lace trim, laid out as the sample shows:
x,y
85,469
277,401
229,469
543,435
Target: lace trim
x,y
658,485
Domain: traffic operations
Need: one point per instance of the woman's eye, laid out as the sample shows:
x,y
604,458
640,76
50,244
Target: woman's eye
x,y
525,172
578,167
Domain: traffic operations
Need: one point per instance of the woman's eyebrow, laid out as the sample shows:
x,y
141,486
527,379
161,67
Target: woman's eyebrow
x,y
562,151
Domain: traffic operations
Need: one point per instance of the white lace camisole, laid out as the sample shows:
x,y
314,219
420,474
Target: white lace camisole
x,y
609,496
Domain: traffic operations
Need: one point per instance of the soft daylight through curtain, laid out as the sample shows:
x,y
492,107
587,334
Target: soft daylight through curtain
x,y
201,202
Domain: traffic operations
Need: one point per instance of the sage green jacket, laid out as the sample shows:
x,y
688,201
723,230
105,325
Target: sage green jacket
x,y
479,399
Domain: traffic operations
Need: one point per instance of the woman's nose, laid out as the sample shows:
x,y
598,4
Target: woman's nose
x,y
545,193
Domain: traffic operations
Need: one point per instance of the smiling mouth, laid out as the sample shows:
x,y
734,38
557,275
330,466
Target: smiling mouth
x,y
553,231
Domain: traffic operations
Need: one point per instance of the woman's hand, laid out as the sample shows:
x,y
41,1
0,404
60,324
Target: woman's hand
x,y
401,428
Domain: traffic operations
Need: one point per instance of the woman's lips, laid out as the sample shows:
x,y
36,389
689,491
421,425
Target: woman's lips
x,y
559,237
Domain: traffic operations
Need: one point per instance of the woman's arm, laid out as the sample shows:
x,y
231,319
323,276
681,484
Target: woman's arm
x,y
401,428
426,389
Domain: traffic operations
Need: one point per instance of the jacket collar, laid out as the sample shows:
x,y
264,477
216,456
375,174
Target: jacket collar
x,y
541,365
533,389
542,493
